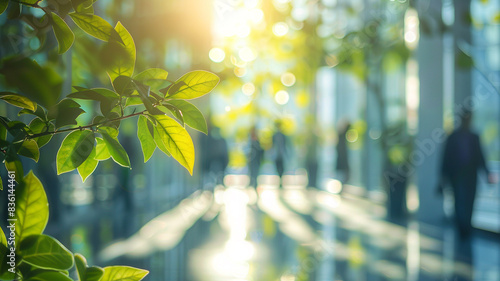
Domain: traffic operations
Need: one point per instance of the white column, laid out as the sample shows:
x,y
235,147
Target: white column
x,y
428,143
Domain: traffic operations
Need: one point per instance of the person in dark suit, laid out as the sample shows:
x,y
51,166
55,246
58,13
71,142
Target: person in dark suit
x,y
462,160
342,165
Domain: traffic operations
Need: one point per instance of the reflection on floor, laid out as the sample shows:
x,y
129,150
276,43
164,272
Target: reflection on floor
x,y
296,233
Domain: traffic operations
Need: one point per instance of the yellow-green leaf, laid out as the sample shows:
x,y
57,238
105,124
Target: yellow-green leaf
x,y
13,164
125,63
3,5
153,77
45,252
86,273
148,144
4,266
88,166
45,275
176,140
102,152
18,100
75,149
197,84
116,150
32,207
94,26
29,149
64,35
123,273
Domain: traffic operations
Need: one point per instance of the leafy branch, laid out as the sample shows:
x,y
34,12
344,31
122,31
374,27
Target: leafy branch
x,y
91,126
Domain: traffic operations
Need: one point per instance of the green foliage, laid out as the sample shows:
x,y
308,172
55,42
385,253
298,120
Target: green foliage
x,y
42,257
64,35
45,252
75,149
94,26
36,90
32,213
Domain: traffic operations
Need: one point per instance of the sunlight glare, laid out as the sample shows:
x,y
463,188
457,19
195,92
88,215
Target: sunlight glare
x,y
246,54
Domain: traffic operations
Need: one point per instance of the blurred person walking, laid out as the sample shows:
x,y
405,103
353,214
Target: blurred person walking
x,y
280,151
462,160
342,167
254,157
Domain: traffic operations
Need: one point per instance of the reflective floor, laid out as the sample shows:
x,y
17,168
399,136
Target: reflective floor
x,y
234,232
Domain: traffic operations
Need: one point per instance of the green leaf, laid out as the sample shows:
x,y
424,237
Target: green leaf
x,y
4,266
39,84
177,141
74,150
65,113
116,150
146,138
94,273
86,273
81,267
131,101
124,63
94,26
107,98
144,95
39,112
46,275
83,6
191,114
45,252
18,100
151,74
38,126
13,164
123,273
88,166
3,5
102,152
29,148
153,77
123,85
1,185
14,11
32,208
97,94
64,35
167,108
198,83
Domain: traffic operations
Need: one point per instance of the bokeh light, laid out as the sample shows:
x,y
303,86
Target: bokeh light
x,y
288,79
280,29
217,54
248,89
282,97
246,54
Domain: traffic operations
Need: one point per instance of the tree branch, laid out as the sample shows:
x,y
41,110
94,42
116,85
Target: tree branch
x,y
86,126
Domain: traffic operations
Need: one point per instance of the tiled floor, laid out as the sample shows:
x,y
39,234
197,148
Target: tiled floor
x,y
293,233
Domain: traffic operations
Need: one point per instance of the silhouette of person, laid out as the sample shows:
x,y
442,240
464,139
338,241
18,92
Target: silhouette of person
x,y
215,156
279,149
255,157
342,166
462,159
